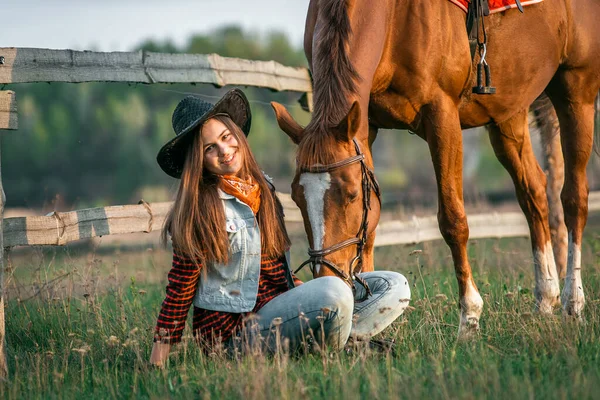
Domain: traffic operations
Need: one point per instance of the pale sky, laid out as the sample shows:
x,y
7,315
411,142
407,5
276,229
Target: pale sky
x,y
119,25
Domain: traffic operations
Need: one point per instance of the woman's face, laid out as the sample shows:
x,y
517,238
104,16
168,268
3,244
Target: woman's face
x,y
221,149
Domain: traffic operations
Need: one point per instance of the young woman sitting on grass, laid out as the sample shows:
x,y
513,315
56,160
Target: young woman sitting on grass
x,y
230,245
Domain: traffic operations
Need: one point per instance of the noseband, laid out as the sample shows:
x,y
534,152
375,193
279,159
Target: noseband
x,y
369,183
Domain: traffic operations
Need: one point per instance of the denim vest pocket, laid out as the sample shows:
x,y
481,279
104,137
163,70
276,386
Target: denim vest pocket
x,y
236,230
231,274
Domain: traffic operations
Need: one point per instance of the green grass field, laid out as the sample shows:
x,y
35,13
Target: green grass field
x,y
80,321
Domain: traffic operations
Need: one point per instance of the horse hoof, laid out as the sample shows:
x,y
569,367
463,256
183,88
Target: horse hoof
x,y
469,329
573,301
573,309
547,297
471,306
571,318
547,305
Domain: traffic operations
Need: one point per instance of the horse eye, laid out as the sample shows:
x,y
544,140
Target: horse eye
x,y
352,196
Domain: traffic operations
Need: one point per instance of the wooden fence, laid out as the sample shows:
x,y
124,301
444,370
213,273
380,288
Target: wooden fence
x,y
62,228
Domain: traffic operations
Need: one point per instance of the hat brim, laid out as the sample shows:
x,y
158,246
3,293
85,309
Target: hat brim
x,y
234,103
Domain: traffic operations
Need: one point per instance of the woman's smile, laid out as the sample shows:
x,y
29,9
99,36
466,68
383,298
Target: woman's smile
x,y
221,149
227,160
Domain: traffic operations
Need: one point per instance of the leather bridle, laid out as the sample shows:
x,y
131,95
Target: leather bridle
x,y
369,183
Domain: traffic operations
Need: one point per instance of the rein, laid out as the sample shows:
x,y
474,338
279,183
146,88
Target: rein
x,y
369,183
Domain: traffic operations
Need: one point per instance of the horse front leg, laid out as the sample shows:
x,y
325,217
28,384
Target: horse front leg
x,y
441,130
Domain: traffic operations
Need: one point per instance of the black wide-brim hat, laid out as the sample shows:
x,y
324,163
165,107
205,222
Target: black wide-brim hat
x,y
192,112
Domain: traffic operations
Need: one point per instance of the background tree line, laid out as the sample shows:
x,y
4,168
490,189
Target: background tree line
x,y
94,144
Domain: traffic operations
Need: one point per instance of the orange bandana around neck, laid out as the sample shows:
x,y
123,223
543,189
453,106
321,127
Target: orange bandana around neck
x,y
246,191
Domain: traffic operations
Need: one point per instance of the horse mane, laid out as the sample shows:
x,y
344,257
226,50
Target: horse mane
x,y
334,76
316,149
334,81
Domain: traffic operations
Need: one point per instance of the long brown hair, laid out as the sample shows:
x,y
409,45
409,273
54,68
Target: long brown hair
x,y
196,222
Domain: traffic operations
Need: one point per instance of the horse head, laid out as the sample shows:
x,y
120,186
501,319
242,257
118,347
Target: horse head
x,y
333,186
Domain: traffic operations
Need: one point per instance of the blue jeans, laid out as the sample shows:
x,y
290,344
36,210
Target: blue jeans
x,y
324,311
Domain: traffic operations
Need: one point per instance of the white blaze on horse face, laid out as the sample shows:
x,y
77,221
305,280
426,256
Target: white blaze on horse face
x,y
315,186
573,298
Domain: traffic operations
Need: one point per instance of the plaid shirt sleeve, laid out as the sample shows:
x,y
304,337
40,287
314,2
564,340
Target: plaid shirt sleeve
x,y
183,282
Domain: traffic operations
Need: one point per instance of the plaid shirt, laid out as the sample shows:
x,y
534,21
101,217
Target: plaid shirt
x,y
210,326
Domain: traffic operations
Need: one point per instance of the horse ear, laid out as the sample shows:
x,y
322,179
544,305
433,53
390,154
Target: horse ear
x,y
348,127
287,123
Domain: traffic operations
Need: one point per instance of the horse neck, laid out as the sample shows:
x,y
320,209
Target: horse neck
x,y
363,48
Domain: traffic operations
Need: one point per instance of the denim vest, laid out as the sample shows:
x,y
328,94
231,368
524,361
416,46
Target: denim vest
x,y
233,287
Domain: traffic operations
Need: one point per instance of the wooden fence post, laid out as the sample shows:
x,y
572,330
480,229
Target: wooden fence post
x,y
8,120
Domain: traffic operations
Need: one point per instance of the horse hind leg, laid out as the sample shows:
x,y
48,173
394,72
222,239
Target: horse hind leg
x,y
576,117
441,130
512,144
553,163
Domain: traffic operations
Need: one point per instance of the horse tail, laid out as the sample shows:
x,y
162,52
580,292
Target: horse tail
x,y
545,118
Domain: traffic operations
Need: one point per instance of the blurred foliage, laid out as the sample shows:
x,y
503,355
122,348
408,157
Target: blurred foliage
x,y
94,144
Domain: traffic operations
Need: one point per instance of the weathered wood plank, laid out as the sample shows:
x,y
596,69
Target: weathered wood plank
x,y
24,65
490,225
62,228
8,110
594,201
290,209
418,230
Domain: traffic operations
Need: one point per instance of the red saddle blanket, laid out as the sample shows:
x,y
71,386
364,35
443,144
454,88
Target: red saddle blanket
x,y
496,5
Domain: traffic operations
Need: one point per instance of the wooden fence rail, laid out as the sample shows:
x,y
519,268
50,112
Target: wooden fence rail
x,y
23,65
62,228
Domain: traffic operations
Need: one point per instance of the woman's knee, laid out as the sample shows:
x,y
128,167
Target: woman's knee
x,y
338,306
336,295
388,282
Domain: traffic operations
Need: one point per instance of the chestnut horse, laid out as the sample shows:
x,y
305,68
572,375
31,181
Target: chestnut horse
x,y
407,65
